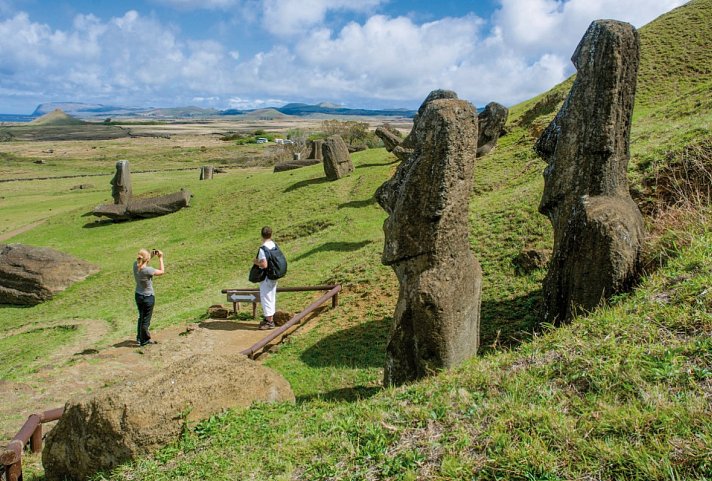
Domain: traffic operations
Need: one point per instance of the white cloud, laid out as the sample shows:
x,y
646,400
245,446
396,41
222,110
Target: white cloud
x,y
133,60
290,17
199,4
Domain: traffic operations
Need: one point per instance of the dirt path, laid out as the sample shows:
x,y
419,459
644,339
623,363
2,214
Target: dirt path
x,y
7,235
79,368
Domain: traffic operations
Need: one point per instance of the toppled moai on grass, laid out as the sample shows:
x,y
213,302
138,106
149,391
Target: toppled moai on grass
x,y
491,123
30,275
437,317
133,419
125,207
598,229
337,160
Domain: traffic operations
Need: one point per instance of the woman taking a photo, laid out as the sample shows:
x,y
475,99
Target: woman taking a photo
x,y
145,298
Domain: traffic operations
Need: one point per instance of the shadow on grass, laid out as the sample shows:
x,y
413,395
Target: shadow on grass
x,y
98,223
228,325
377,164
335,247
125,343
357,204
362,346
346,394
305,183
509,322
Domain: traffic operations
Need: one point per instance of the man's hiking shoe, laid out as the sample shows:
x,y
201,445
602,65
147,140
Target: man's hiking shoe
x,y
266,325
150,341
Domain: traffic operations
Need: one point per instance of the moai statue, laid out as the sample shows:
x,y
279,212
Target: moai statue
x,y
598,229
337,160
121,183
206,172
491,125
437,317
390,137
315,152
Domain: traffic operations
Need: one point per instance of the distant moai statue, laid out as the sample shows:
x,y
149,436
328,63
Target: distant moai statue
x,y
491,123
315,151
206,172
121,183
437,317
336,158
598,229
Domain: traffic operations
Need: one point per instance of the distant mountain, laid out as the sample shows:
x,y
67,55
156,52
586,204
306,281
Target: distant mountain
x,y
83,110
57,117
324,108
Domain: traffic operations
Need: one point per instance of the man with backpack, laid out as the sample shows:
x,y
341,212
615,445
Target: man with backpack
x,y
272,261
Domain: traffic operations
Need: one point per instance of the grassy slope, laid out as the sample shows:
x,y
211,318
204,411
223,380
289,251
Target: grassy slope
x,y
623,393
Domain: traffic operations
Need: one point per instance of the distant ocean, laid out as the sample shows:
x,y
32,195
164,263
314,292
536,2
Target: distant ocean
x,y
16,118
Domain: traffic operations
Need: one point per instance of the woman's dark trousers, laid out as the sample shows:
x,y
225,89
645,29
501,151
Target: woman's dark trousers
x,y
145,311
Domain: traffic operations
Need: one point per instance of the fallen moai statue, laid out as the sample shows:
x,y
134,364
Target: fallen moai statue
x,y
133,419
437,317
125,207
30,275
145,208
491,123
336,158
295,164
598,229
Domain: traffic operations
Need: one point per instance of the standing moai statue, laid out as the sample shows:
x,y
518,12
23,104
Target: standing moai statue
x,y
315,152
437,317
336,158
491,124
206,172
598,229
121,183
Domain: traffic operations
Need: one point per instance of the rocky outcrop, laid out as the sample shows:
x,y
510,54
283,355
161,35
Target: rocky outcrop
x,y
390,137
206,172
121,183
133,419
315,149
30,275
491,123
598,229
337,160
145,208
436,322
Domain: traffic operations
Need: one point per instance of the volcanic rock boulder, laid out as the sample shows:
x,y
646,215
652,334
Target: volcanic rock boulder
x,y
30,275
145,208
337,160
133,419
389,136
206,172
491,125
121,183
436,322
598,229
315,150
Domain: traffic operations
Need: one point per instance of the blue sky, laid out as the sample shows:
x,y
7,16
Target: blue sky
x,y
256,53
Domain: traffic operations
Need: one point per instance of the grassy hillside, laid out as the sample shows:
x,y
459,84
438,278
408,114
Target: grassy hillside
x,y
623,393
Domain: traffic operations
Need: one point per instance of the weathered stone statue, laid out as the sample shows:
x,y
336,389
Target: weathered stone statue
x,y
145,208
491,125
121,183
337,160
206,172
598,229
436,322
390,138
315,151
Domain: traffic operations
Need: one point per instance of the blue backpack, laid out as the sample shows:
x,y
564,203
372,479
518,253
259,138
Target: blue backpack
x,y
276,262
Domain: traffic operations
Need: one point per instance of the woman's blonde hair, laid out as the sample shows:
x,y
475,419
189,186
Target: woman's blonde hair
x,y
142,258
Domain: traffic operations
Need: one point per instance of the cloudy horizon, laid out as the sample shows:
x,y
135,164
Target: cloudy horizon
x,y
251,54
